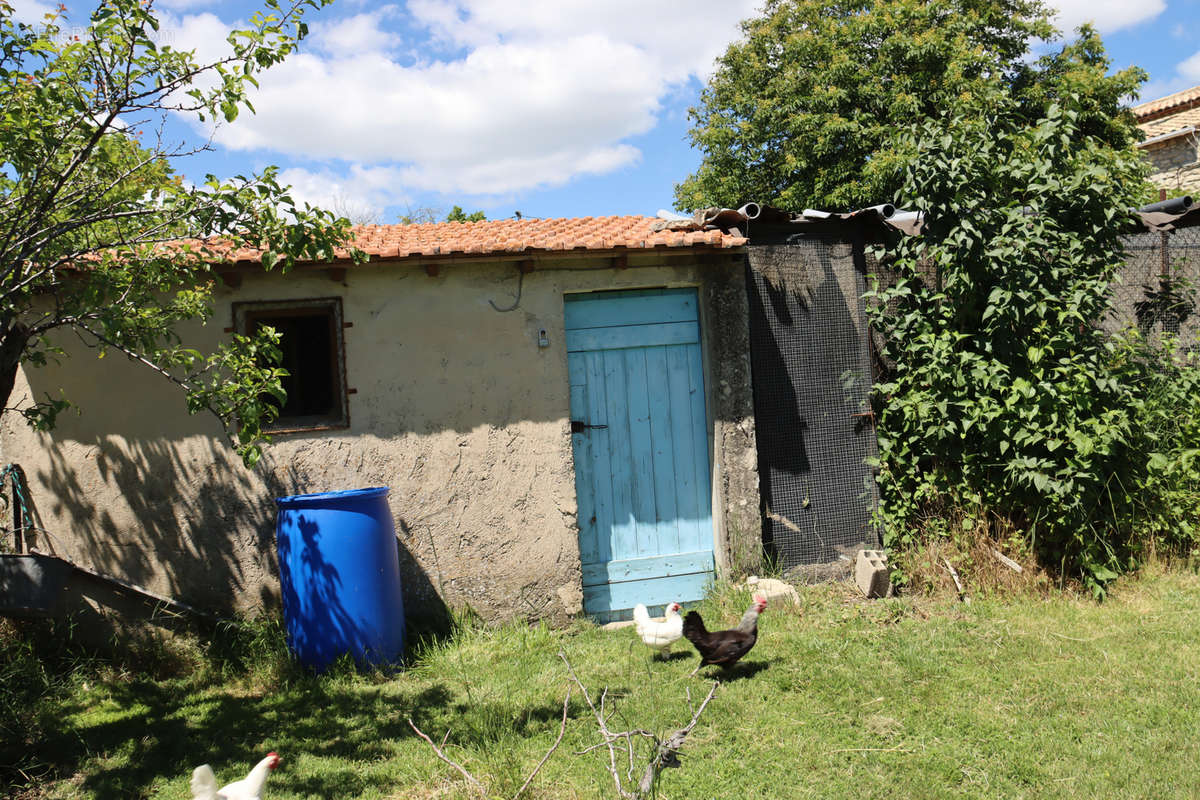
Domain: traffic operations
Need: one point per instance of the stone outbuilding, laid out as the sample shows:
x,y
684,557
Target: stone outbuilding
x,y
561,408
1171,126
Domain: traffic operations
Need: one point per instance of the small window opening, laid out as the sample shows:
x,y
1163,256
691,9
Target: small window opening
x,y
312,355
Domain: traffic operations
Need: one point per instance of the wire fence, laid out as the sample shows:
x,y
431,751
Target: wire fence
x,y
812,384
815,358
1156,291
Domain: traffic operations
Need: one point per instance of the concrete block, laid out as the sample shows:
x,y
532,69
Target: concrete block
x,y
871,572
774,590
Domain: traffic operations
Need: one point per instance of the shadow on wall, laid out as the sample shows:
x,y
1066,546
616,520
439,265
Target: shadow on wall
x,y
811,384
207,526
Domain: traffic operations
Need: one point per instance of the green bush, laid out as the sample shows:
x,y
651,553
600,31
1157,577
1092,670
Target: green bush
x,y
1158,489
1006,395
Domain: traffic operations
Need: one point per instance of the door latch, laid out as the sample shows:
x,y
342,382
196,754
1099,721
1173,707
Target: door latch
x,y
579,426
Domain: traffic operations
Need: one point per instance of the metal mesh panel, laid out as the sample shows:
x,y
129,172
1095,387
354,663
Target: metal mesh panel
x,y
812,381
1156,290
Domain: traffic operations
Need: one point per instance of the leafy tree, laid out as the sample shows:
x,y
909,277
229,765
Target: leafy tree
x,y
100,236
426,214
1007,397
458,215
811,107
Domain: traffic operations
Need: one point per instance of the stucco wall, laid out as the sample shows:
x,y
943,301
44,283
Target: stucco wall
x,y
456,408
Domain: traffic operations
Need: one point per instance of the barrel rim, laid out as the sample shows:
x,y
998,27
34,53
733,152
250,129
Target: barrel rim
x,y
321,497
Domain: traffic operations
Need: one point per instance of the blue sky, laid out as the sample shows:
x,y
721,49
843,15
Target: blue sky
x,y
548,107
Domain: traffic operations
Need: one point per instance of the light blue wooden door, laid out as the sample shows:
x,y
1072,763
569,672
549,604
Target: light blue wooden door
x,y
640,440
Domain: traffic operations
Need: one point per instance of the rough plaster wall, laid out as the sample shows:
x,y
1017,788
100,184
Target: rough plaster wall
x,y
457,410
735,475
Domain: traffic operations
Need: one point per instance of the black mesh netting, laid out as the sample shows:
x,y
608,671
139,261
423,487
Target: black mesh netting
x,y
812,382
812,363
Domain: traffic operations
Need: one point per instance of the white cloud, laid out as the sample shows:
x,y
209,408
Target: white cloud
x,y
204,33
1106,15
184,5
1187,75
1190,68
360,188
31,12
498,102
361,33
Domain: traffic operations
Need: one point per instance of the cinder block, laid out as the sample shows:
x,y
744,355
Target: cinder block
x,y
871,572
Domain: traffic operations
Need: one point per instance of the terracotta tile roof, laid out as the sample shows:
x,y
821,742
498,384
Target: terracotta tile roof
x,y
1172,103
513,236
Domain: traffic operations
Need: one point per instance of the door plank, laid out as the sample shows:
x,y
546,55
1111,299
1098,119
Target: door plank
x,y
636,569
702,529
599,464
663,449
684,442
581,444
666,333
637,407
624,527
623,311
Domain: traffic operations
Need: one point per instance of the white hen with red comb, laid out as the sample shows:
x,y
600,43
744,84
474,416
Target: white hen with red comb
x,y
659,634
204,782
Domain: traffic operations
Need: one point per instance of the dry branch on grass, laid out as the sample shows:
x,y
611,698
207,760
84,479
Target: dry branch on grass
x,y
664,754
471,778
664,749
962,594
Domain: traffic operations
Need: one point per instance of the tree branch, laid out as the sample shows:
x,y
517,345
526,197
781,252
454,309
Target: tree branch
x,y
667,750
438,751
561,730
608,737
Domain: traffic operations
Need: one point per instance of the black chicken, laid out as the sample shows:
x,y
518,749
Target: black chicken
x,y
724,648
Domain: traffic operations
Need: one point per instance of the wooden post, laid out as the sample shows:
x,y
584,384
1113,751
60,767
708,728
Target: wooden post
x,y
1164,267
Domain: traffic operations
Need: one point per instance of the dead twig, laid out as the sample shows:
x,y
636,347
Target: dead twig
x,y
604,732
962,594
1008,562
561,730
664,750
470,778
872,750
665,754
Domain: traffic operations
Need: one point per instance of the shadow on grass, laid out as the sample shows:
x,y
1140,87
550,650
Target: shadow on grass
x,y
740,671
160,738
162,733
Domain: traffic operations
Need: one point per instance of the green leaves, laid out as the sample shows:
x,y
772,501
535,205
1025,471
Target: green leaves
x,y
97,231
811,107
1035,410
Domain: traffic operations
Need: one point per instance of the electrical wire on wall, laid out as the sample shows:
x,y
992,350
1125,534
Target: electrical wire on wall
x,y
517,302
521,282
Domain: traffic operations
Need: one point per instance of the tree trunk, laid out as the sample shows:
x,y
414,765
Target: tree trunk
x,y
12,346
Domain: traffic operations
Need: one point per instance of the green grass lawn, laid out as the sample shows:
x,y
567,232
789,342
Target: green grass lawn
x,y
840,698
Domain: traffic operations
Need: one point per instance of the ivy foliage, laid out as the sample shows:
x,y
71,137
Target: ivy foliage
x,y
1007,396
812,106
98,233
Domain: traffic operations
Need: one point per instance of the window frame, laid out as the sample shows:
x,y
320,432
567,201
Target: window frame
x,y
246,313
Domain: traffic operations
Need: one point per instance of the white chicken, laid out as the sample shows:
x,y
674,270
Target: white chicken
x,y
204,782
659,634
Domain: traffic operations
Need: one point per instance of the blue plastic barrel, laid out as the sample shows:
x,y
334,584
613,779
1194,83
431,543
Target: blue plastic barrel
x,y
339,572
